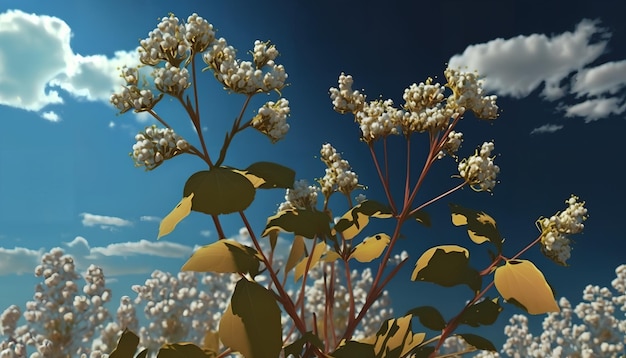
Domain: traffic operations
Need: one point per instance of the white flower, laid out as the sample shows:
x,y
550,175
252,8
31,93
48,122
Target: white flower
x,y
271,119
302,196
339,176
156,145
555,243
479,170
378,119
345,99
468,94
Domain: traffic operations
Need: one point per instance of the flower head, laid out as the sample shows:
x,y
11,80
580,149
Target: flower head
x,y
345,99
479,170
155,145
271,119
555,231
468,94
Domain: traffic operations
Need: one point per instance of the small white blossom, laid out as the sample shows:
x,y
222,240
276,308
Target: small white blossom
x,y
302,196
468,94
378,119
339,175
479,170
156,145
555,243
345,99
271,119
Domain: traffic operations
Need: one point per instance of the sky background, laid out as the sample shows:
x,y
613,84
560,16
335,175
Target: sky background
x,y
66,180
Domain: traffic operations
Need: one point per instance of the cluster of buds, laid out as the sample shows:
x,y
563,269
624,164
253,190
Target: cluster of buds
x,y
302,196
155,145
378,119
133,97
425,111
452,145
478,170
468,94
346,100
271,119
555,230
339,176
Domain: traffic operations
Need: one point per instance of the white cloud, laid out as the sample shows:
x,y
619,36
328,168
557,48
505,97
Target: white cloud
x,y
150,218
547,128
50,116
105,222
18,260
205,233
36,59
144,247
518,66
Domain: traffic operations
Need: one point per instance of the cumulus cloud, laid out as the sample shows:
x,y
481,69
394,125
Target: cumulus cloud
x,y
560,65
18,260
36,60
105,222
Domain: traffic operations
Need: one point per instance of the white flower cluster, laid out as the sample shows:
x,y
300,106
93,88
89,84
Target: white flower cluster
x,y
271,119
378,119
262,75
452,145
133,97
60,320
339,176
468,94
171,79
479,170
315,294
302,196
555,243
425,110
346,100
155,145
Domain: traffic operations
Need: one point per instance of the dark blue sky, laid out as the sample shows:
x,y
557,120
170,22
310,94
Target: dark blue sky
x,y
385,46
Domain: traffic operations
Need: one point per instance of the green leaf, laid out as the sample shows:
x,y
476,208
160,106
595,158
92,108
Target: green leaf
x,y
219,191
307,223
354,349
447,265
182,350
126,345
429,317
480,226
422,352
295,348
478,342
421,217
142,354
521,280
251,323
275,175
224,256
482,313
371,248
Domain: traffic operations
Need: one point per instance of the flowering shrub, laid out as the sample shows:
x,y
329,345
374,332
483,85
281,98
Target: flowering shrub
x,y
329,316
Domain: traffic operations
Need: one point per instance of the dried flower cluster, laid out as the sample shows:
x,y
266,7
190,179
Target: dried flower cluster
x,y
555,231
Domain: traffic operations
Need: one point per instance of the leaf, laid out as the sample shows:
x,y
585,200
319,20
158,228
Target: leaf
x,y
142,354
251,323
354,349
422,352
421,217
182,350
429,317
412,343
522,281
482,313
447,265
478,342
295,348
126,345
391,337
295,254
352,222
211,342
305,222
219,191
480,226
275,175
223,256
182,209
371,248
315,255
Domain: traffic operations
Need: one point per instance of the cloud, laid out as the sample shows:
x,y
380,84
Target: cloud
x,y
36,60
150,218
558,64
144,247
51,116
205,233
18,260
105,222
547,128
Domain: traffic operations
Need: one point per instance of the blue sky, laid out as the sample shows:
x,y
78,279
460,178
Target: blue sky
x,y
66,179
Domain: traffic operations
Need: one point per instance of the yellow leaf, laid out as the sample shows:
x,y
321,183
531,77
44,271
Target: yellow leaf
x,y
371,248
221,257
331,256
315,255
394,336
211,342
175,216
423,261
232,332
412,342
522,281
356,227
254,180
296,253
459,219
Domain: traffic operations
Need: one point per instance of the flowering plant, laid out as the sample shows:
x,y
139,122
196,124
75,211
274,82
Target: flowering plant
x,y
323,248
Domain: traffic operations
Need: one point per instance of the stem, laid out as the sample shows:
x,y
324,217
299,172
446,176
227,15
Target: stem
x,y
158,118
218,227
382,178
439,197
527,247
234,130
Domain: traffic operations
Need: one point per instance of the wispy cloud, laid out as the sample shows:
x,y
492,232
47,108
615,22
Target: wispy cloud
x,y
50,116
150,218
18,260
559,63
105,222
205,233
144,247
51,64
547,128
